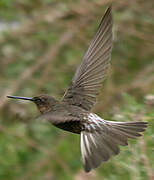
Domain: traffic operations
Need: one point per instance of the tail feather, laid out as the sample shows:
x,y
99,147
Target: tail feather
x,y
139,126
128,133
130,130
102,138
103,152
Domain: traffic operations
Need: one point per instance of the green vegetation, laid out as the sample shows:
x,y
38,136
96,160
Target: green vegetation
x,y
41,44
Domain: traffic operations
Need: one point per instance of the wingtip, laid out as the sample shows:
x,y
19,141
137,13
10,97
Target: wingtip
x,y
108,13
109,9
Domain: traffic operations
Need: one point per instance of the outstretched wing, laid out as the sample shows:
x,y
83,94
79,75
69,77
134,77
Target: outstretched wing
x,y
89,76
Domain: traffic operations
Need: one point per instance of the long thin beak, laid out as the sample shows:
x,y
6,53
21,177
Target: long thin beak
x,y
23,98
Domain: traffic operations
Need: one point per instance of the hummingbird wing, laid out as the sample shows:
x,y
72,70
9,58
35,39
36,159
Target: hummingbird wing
x,y
57,117
87,81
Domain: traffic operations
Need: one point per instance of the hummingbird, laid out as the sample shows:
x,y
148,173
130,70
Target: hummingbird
x,y
99,138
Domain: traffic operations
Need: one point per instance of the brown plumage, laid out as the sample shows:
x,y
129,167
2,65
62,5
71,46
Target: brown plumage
x,y
100,139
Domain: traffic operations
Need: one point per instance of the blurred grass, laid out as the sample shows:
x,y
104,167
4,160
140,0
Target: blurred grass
x,y
42,43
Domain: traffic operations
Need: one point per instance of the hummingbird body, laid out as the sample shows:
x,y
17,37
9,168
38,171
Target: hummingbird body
x,y
65,113
99,138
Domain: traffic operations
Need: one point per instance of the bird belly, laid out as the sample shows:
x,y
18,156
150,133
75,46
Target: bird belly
x,y
74,126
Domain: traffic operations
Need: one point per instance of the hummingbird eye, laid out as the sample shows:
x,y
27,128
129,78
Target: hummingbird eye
x,y
39,100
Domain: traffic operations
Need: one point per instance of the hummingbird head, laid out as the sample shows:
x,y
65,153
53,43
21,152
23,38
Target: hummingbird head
x,y
43,102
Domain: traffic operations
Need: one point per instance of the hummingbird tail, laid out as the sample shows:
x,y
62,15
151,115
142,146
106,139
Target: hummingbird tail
x,y
101,139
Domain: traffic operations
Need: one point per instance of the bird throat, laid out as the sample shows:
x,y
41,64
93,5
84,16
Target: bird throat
x,y
44,108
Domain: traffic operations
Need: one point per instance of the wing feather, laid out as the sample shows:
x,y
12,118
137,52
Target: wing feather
x,y
89,76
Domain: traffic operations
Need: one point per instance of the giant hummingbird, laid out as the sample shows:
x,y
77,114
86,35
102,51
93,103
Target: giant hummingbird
x,y
99,138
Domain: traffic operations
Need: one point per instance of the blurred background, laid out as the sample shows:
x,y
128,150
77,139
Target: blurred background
x,y
41,44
